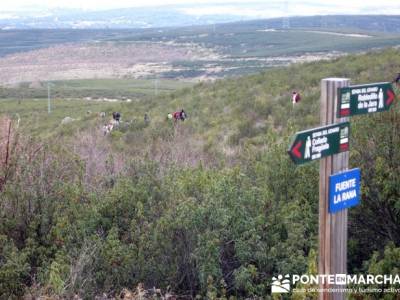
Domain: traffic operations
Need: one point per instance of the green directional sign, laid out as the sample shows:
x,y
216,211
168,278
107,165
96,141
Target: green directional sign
x,y
316,143
365,99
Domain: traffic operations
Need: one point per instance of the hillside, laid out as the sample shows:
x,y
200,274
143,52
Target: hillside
x,y
212,206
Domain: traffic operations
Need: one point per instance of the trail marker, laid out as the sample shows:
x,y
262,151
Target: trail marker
x,y
320,142
365,99
344,190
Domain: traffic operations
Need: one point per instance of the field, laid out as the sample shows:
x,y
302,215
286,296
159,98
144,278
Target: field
x,y
34,117
95,89
100,60
194,53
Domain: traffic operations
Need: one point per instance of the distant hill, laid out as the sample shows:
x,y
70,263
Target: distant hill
x,y
215,32
377,23
192,52
109,19
180,16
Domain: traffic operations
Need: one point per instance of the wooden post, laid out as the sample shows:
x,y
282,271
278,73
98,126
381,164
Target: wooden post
x,y
332,227
48,99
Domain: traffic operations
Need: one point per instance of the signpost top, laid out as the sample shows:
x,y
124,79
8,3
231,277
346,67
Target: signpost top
x,y
367,84
336,79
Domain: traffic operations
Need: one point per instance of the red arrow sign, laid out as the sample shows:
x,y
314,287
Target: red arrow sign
x,y
365,99
296,148
391,97
316,143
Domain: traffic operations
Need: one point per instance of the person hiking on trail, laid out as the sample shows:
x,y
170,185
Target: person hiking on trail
x,y
295,97
183,115
107,128
179,115
146,118
397,79
116,116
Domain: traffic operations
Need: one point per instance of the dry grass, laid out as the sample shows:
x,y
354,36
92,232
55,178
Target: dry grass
x,y
87,61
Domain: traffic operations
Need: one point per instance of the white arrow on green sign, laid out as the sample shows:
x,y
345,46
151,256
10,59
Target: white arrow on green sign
x,y
365,99
316,143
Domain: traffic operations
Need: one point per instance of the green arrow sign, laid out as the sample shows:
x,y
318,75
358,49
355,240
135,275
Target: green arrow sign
x,y
365,99
316,143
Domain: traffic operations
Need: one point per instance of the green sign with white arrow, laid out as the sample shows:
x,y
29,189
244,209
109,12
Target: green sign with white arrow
x,y
365,99
316,143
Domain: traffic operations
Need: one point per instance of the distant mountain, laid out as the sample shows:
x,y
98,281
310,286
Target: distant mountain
x,y
112,19
377,23
193,15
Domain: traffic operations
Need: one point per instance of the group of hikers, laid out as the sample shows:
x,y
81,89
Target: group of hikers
x,y
107,128
178,115
116,118
182,116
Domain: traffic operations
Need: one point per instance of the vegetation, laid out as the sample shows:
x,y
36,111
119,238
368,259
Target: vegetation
x,y
94,89
210,207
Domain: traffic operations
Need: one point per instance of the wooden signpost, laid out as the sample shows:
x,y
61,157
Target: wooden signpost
x,y
332,233
330,144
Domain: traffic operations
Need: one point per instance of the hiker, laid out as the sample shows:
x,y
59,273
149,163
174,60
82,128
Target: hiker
x,y
397,79
295,97
107,128
179,115
146,118
183,115
116,116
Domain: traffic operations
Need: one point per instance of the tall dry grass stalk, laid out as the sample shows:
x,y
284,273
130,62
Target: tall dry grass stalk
x,y
7,144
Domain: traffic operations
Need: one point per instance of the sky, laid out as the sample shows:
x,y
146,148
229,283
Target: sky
x,y
200,7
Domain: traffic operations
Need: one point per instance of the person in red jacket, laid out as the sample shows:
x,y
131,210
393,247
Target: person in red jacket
x,y
179,115
295,97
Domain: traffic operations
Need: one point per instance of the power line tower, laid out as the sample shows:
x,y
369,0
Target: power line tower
x,y
285,18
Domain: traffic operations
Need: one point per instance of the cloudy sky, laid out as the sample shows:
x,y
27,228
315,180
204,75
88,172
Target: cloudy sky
x,y
256,8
